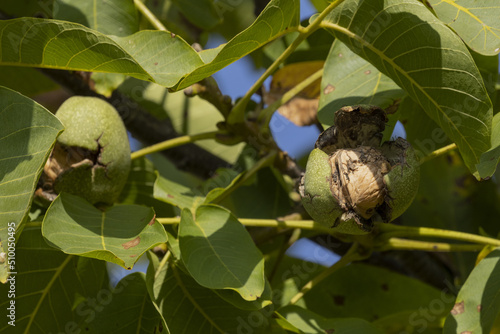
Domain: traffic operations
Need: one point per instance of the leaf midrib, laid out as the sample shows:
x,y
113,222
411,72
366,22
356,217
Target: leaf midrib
x,y
217,254
356,37
468,12
192,300
46,290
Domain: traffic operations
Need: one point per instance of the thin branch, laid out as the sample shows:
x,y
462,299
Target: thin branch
x,y
405,244
238,113
149,15
390,231
208,90
438,152
171,143
145,127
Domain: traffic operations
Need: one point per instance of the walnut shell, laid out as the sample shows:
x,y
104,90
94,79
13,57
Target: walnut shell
x,y
351,180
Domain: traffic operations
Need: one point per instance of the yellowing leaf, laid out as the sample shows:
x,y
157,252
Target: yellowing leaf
x,y
302,109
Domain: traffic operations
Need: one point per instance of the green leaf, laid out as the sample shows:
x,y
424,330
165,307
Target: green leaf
x,y
54,292
63,45
27,8
110,17
187,307
27,135
424,135
450,198
488,67
139,188
25,80
234,298
130,311
490,159
201,13
425,58
310,323
352,290
174,193
156,56
121,234
219,253
265,191
274,21
478,302
475,21
349,80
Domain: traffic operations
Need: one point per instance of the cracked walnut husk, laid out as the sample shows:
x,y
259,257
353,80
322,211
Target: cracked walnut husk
x,y
351,180
91,158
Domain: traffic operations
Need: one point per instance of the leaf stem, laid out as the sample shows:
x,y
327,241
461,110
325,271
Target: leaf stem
x,y
351,255
266,114
438,152
405,244
182,140
390,231
149,15
238,113
302,224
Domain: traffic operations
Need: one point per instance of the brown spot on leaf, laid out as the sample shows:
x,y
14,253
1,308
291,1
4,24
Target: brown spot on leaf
x,y
328,89
133,255
341,55
152,220
172,35
156,64
368,72
339,300
170,196
479,307
132,243
385,287
329,331
459,308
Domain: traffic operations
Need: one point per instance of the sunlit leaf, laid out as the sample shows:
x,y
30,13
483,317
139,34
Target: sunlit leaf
x,y
54,292
349,80
478,302
219,253
475,21
27,135
405,41
174,193
156,56
121,234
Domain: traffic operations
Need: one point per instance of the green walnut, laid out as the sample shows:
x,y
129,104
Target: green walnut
x,y
351,180
91,158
